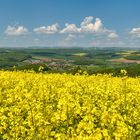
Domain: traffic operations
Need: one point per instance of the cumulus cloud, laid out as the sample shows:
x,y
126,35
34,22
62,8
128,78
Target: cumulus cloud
x,y
16,31
70,28
112,35
87,26
87,21
135,32
52,29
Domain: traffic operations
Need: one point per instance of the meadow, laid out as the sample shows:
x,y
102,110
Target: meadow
x,y
39,106
70,60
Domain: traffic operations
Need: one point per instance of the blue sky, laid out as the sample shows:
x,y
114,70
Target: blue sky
x,y
103,23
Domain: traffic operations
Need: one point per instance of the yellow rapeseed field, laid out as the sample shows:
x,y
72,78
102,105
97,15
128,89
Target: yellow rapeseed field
x,y
68,107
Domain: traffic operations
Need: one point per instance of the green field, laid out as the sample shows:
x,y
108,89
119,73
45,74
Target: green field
x,y
71,60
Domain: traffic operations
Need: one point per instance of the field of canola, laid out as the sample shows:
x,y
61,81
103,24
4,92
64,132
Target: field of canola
x,y
68,107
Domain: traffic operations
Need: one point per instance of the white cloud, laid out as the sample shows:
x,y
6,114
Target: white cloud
x,y
112,35
70,37
16,31
87,21
70,28
89,29
135,32
87,26
52,29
